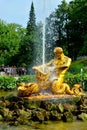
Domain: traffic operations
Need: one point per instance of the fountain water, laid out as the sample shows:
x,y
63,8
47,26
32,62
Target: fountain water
x,y
22,112
50,76
82,80
45,8
51,80
44,25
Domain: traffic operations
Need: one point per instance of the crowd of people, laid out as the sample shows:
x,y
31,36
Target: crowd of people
x,y
12,70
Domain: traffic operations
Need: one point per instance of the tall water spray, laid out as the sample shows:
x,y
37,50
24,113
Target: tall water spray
x,y
45,7
43,43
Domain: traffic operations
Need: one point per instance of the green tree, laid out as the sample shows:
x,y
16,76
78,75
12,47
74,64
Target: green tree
x,y
77,29
56,34
27,44
31,25
60,22
66,27
9,41
31,43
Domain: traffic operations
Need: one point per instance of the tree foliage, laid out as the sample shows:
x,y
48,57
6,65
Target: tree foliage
x,y
56,33
10,37
65,27
31,43
68,28
77,28
31,25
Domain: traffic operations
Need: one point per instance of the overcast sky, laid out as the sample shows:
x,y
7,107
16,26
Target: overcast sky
x,y
17,11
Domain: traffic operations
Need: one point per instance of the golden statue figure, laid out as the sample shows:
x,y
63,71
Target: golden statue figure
x,y
50,76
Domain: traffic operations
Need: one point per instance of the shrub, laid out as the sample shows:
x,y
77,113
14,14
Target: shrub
x,y
75,68
79,78
73,78
26,78
7,82
70,78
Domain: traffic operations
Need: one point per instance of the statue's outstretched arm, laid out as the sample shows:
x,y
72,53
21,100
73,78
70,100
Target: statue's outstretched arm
x,y
41,67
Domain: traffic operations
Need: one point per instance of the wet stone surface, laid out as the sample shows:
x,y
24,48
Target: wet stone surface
x,y
17,110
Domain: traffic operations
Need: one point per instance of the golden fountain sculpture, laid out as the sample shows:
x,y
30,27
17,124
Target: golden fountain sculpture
x,y
50,78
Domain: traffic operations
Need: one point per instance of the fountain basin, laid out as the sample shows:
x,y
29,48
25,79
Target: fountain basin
x,y
21,110
51,97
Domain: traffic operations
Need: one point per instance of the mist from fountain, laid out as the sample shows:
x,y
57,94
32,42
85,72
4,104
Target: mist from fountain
x,y
43,32
82,80
43,57
50,76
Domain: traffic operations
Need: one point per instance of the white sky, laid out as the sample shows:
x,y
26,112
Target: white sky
x,y
17,11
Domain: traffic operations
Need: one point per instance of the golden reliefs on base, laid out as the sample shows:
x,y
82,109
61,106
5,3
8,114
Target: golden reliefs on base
x,y
50,76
